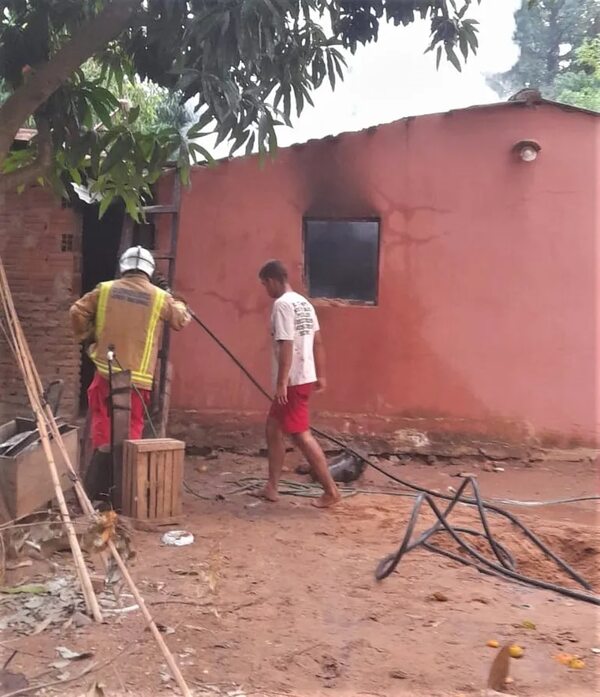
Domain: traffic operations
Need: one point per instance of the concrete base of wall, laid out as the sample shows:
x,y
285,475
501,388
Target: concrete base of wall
x,y
433,440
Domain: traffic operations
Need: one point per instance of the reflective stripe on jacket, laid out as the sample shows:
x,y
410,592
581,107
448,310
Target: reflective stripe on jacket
x,y
127,313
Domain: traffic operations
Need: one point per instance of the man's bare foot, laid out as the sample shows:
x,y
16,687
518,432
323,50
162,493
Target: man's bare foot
x,y
327,500
268,493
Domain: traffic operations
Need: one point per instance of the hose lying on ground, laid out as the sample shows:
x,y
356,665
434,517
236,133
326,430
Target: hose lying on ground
x,y
504,567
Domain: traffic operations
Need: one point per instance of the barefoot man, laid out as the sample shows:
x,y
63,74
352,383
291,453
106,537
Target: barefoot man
x,y
298,370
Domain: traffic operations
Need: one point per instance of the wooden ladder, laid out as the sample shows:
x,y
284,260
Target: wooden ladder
x,y
161,395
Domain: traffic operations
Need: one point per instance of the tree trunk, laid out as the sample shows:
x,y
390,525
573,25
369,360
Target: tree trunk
x,y
46,79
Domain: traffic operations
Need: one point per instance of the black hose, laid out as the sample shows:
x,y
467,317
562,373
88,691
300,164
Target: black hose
x,y
239,364
470,502
506,568
387,565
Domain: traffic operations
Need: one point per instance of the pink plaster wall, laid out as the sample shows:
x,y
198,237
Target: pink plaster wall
x,y
487,320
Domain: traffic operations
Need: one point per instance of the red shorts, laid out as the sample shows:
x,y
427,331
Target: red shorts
x,y
98,394
293,417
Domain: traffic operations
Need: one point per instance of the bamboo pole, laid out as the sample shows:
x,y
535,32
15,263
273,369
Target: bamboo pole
x,y
87,506
18,338
173,667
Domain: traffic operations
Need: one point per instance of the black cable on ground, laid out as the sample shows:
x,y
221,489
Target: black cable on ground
x,y
506,566
387,565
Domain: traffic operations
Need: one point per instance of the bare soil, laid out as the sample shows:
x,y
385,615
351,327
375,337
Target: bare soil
x,y
280,599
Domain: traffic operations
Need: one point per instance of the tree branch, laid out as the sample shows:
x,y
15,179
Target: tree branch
x,y
47,78
39,168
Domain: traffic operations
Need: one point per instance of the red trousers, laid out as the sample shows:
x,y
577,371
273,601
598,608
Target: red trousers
x,y
98,401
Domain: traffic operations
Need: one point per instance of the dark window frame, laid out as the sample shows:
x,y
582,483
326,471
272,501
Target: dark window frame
x,y
306,260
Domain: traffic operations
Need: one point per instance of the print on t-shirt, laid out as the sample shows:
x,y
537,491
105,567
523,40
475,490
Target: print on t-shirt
x,y
303,318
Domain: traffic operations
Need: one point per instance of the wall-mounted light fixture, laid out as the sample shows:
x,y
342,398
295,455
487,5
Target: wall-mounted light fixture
x,y
527,150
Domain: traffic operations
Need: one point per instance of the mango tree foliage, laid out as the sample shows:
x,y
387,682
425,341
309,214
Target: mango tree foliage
x,y
247,66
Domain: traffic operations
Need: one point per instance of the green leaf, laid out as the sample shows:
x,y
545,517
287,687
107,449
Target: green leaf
x,y
238,142
75,175
101,94
133,114
103,114
272,139
471,37
331,71
287,106
194,147
464,45
115,155
452,57
107,199
131,205
195,130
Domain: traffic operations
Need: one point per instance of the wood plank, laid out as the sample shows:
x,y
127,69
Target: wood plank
x,y
152,466
134,485
142,487
160,484
133,466
124,476
131,479
168,490
177,483
152,444
127,489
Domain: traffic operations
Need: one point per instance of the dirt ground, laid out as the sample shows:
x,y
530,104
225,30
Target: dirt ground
x,y
280,599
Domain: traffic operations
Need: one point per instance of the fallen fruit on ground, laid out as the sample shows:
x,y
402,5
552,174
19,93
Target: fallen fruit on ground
x,y
493,644
576,664
516,651
564,658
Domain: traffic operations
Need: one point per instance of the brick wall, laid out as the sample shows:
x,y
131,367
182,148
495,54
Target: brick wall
x,y
40,245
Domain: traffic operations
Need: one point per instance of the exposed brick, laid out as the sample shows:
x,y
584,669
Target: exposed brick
x,y
44,282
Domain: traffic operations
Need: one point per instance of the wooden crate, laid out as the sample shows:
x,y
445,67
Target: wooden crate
x,y
25,480
152,478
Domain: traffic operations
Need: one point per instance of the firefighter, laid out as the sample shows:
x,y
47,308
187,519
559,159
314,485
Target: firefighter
x,y
126,314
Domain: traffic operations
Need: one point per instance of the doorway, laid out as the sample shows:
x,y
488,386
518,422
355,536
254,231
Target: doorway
x,y
100,248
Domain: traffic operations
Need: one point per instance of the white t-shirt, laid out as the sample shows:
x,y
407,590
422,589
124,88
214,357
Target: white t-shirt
x,y
294,319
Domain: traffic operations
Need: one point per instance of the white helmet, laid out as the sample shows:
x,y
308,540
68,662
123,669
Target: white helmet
x,y
137,259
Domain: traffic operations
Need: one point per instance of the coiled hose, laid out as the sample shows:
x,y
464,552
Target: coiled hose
x,y
506,565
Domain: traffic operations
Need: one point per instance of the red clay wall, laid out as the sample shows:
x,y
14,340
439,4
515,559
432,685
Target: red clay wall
x,y
40,249
487,319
